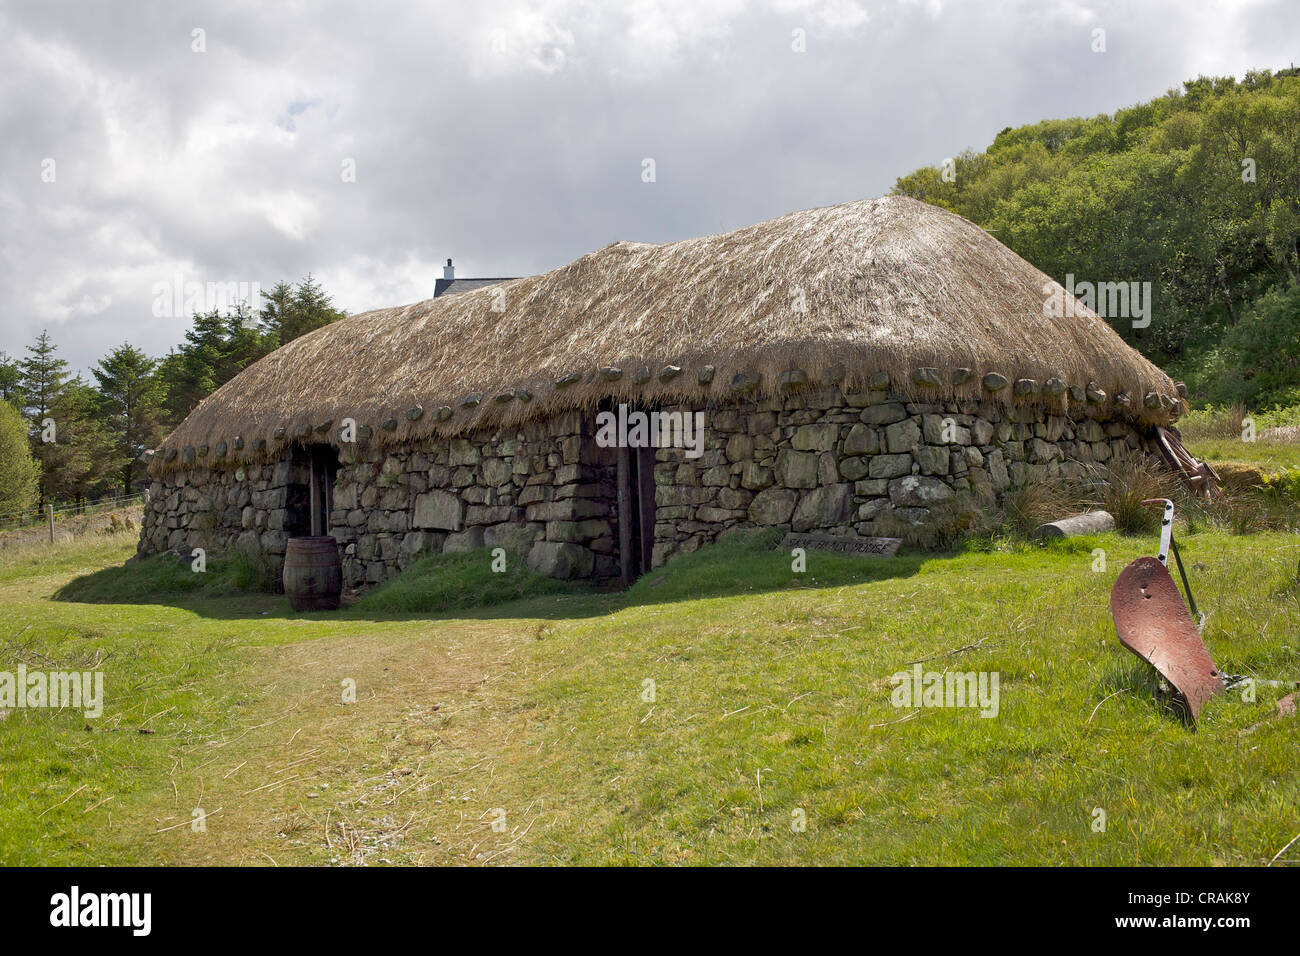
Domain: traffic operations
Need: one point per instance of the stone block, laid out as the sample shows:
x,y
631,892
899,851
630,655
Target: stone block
x,y
902,436
917,491
862,440
496,471
884,414
561,559
933,460
823,507
440,510
467,540
773,506
755,477
740,448
890,466
489,514
515,537
796,469
815,437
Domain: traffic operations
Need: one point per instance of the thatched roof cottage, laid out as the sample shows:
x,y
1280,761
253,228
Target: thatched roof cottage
x,y
854,366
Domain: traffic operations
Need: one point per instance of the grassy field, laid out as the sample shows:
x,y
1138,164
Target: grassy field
x,y
1216,434
725,710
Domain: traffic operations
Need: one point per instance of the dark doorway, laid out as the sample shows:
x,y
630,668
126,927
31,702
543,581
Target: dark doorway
x,y
310,495
636,511
324,465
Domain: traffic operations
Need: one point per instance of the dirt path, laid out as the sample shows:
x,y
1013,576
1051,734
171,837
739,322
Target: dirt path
x,y
403,775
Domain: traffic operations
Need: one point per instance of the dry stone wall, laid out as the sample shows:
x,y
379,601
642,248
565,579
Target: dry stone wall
x,y
815,460
544,491
251,507
867,463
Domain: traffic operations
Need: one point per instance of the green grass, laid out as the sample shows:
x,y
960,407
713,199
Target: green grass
x,y
692,719
1225,421
1266,456
166,576
1216,434
456,582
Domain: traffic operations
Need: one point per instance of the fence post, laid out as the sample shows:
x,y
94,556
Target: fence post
x,y
51,507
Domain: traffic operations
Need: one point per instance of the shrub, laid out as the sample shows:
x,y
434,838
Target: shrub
x,y
19,473
1267,338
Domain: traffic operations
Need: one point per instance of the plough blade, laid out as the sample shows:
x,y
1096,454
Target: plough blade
x,y
1154,623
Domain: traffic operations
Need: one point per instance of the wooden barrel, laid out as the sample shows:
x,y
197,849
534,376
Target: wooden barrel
x,y
313,574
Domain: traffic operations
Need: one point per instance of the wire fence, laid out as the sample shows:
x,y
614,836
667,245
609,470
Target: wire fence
x,y
63,510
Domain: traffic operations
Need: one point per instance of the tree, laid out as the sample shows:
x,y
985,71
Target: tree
x,y
276,313
43,384
19,473
43,377
190,371
1196,192
291,312
1267,342
218,347
78,464
215,350
131,409
11,377
244,343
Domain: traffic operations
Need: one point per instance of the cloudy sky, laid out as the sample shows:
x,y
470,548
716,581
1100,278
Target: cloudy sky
x,y
149,144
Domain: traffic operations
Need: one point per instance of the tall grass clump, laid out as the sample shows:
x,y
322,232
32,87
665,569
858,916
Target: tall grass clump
x,y
949,525
1122,487
1034,504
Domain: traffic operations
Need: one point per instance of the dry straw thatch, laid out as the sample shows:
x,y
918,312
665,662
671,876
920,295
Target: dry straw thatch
x,y
855,290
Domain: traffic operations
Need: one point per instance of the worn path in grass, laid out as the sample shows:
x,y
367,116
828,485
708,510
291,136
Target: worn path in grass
x,y
726,710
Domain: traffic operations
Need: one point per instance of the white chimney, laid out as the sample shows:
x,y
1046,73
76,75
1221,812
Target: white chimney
x,y
448,272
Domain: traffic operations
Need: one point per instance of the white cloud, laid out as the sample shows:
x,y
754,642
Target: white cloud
x,y
225,166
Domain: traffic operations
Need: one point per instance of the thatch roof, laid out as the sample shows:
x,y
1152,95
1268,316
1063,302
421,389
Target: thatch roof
x,y
884,285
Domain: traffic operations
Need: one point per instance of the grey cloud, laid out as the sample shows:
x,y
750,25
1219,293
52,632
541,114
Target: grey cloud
x,y
507,135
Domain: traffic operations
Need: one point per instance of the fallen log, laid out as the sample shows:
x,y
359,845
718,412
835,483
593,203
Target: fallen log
x,y
1091,522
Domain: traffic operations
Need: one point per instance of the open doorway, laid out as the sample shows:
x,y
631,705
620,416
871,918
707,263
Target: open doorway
x,y
636,511
310,497
323,461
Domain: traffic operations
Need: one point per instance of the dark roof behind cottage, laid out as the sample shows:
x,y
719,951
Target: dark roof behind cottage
x,y
443,287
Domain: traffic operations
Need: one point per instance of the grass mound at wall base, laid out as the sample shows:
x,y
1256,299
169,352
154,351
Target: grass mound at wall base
x,y
454,582
752,561
162,576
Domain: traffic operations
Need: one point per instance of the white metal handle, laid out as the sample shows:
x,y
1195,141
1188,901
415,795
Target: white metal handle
x,y
1166,527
